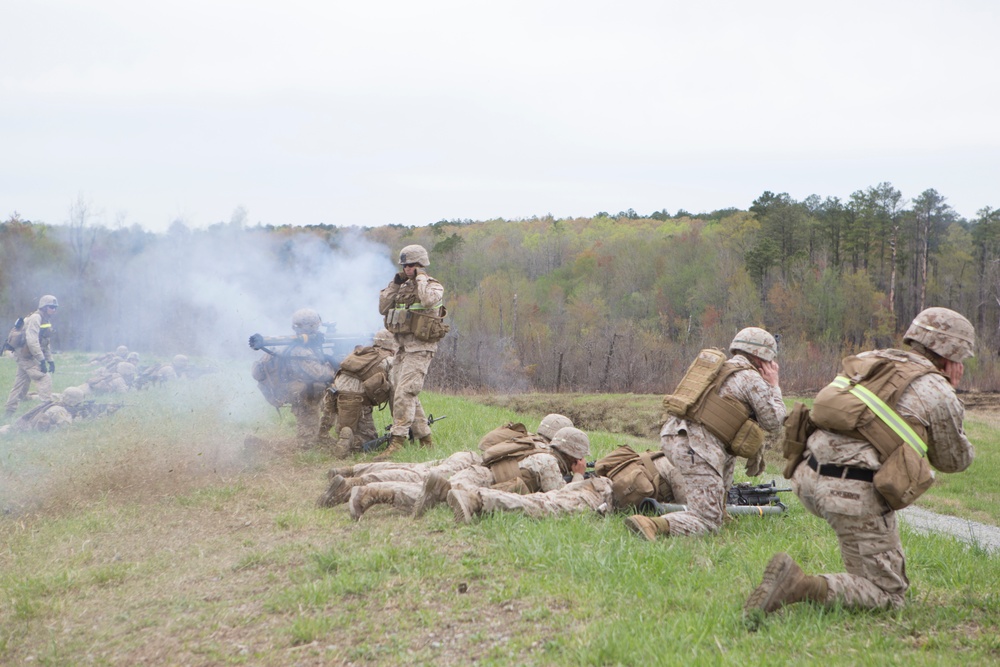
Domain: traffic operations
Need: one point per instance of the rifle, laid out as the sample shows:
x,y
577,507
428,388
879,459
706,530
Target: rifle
x,y
91,409
381,441
147,376
586,475
742,498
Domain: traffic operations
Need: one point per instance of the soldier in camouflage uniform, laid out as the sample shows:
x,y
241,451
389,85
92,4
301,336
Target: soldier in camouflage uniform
x,y
297,376
835,478
618,483
702,458
361,384
118,381
412,305
414,487
31,351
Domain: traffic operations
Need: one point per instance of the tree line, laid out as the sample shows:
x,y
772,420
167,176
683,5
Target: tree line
x,y
620,303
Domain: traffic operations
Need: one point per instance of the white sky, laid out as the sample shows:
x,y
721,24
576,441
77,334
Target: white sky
x,y
414,111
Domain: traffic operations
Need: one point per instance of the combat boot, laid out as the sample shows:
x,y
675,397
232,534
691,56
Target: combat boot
x,y
395,444
338,492
427,441
464,505
435,491
648,527
343,471
342,449
785,583
363,497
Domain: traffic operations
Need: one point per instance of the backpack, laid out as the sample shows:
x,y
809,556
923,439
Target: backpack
x,y
633,476
15,337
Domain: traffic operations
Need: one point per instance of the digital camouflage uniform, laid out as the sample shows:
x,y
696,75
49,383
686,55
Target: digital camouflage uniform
x,y
594,494
413,358
701,458
867,528
297,376
835,475
31,354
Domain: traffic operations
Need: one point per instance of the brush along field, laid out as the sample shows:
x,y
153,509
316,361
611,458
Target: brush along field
x,y
183,530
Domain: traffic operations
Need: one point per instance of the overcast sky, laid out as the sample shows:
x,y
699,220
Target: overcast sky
x,y
410,112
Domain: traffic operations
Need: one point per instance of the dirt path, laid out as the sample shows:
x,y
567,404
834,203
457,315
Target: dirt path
x,y
971,532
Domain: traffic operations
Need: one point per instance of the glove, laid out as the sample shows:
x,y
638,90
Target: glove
x,y
755,466
400,278
42,366
52,367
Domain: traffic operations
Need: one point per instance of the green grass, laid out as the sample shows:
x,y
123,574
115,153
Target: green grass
x,y
154,537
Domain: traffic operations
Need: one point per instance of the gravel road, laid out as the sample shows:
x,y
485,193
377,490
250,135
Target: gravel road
x,y
925,521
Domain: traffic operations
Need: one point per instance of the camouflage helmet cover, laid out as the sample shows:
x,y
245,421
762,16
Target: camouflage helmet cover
x,y
48,300
552,423
572,441
121,351
306,320
386,340
414,254
944,332
73,395
125,369
180,360
755,341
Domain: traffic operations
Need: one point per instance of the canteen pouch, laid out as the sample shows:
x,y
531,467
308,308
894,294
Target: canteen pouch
x,y
798,428
748,441
903,477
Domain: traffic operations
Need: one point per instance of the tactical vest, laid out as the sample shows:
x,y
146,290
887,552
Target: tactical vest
x,y
861,403
407,315
634,476
503,461
697,399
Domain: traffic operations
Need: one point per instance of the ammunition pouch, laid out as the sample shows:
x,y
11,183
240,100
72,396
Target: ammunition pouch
x,y
377,388
798,428
429,328
903,477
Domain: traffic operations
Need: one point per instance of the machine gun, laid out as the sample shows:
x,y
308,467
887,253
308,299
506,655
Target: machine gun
x,y
742,498
383,440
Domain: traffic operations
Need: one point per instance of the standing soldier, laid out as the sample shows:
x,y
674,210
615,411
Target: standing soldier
x,y
719,411
865,450
361,383
31,350
412,305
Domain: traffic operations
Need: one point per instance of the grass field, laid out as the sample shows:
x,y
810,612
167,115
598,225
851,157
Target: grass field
x,y
155,537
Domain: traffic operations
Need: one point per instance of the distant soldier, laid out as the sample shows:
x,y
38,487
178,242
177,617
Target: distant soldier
x,y
30,344
298,375
118,381
865,450
361,383
68,407
413,307
733,405
621,480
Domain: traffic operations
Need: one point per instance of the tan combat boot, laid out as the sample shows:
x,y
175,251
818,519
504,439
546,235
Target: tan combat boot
x,y
342,449
785,583
648,527
395,444
464,505
343,471
363,497
427,441
435,491
338,492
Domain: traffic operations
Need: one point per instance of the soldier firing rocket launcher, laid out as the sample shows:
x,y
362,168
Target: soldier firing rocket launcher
x,y
334,347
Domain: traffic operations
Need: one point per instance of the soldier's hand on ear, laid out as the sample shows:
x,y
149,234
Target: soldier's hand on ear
x,y
400,278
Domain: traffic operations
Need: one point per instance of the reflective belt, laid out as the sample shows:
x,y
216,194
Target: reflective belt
x,y
882,410
417,306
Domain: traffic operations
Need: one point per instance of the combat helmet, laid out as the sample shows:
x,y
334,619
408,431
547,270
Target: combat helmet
x,y
386,340
126,370
121,351
755,341
944,332
306,321
572,442
551,424
48,300
180,361
73,396
414,254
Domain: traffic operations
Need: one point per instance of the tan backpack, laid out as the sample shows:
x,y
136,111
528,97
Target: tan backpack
x,y
502,458
633,476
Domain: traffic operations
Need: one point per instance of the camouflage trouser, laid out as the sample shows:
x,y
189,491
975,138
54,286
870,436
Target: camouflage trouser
x,y
869,539
472,478
590,495
705,488
444,467
408,373
351,410
28,371
306,411
404,494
